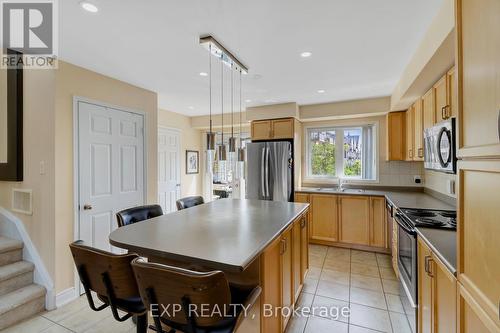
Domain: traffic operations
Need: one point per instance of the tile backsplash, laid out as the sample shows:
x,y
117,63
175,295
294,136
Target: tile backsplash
x,y
396,173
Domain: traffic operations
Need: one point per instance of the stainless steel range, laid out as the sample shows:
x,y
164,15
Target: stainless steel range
x,y
408,220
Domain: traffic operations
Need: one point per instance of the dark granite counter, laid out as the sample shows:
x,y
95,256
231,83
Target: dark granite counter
x,y
400,199
224,234
443,243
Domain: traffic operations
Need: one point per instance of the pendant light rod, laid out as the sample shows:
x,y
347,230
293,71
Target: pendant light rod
x,y
210,84
222,95
219,50
232,103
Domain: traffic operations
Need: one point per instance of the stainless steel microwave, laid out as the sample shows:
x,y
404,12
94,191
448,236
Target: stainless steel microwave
x,y
439,145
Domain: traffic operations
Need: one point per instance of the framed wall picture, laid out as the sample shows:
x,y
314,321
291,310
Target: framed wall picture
x,y
192,162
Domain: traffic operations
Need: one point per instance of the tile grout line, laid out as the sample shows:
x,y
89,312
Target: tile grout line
x,y
385,297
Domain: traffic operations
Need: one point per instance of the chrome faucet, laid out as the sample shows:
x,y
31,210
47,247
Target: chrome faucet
x,y
341,185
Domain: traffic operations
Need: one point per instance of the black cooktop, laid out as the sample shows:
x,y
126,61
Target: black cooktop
x,y
441,219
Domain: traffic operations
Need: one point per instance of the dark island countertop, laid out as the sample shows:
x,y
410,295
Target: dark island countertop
x,y
225,234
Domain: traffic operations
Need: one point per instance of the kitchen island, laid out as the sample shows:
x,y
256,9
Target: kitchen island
x,y
253,242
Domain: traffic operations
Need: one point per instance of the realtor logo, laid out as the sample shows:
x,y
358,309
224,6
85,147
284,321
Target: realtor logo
x,y
29,28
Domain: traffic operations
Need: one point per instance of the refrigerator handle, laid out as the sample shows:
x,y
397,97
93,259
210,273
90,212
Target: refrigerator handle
x,y
266,171
263,174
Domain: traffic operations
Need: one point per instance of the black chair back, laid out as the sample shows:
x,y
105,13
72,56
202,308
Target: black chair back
x,y
188,202
138,214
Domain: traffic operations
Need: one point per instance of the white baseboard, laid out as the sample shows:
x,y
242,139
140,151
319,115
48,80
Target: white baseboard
x,y
66,296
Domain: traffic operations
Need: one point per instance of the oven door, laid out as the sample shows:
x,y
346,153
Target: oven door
x,y
407,259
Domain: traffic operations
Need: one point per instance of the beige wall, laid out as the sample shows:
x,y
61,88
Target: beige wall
x,y
39,87
74,81
3,116
190,140
433,57
347,109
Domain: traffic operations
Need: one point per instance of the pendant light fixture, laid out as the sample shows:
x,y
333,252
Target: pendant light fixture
x,y
222,147
232,139
241,150
226,58
210,134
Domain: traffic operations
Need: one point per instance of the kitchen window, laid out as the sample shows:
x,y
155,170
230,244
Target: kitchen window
x,y
341,152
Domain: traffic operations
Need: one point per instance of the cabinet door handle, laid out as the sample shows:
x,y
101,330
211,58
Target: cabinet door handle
x,y
303,222
410,152
426,264
283,246
420,152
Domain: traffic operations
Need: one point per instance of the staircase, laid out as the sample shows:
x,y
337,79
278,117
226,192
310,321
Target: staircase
x,y
20,298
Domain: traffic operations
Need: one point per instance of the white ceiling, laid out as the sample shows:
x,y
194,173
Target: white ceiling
x,y
359,47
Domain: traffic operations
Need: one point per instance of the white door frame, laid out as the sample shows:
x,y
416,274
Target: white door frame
x,y
178,131
76,166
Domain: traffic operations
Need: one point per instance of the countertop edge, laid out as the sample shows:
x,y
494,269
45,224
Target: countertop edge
x,y
450,267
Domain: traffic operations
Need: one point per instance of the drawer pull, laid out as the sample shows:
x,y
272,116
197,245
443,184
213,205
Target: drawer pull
x,y
420,152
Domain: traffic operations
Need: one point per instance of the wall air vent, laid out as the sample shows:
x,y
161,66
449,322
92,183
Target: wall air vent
x,y
22,201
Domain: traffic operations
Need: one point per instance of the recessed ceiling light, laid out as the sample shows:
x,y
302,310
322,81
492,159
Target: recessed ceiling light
x,y
89,6
248,100
321,91
191,107
203,74
306,54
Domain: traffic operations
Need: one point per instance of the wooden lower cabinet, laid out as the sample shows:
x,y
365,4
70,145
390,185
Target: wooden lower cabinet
x,y
424,289
471,318
378,223
287,292
354,219
394,246
282,267
437,294
478,231
324,217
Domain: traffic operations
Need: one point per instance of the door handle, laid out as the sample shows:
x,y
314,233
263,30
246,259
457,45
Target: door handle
x,y
443,116
303,222
283,246
420,152
87,207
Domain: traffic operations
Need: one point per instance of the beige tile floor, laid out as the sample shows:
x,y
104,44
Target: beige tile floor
x,y
362,281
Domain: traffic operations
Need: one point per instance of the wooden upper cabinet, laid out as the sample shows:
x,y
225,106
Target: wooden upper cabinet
x,y
410,134
478,71
441,99
396,136
378,224
261,129
283,128
418,129
428,109
273,129
425,314
354,219
478,230
452,93
324,225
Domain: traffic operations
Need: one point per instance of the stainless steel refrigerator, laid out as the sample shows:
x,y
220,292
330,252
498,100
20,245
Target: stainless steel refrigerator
x,y
270,171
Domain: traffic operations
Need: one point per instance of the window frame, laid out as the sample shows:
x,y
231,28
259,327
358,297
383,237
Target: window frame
x,y
339,156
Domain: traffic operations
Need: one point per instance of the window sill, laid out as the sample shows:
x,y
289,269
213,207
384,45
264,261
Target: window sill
x,y
335,181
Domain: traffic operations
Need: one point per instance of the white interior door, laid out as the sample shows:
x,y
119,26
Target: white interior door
x,y
169,169
111,169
